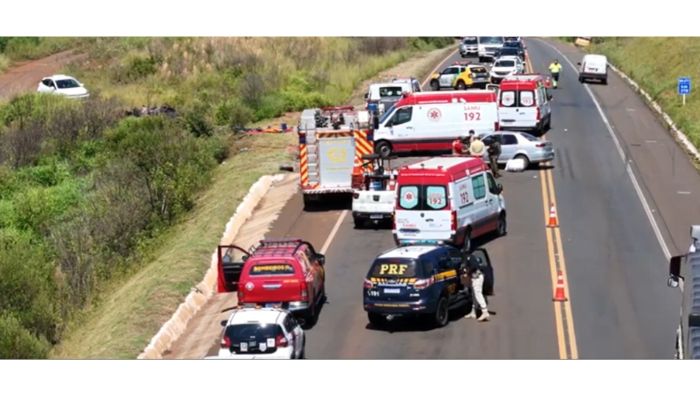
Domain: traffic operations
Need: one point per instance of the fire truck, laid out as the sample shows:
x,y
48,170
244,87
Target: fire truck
x,y
332,142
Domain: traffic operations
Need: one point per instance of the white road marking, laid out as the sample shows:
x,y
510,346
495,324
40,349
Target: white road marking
x,y
633,178
328,242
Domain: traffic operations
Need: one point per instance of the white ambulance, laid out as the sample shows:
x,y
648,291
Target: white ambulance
x,y
448,200
430,121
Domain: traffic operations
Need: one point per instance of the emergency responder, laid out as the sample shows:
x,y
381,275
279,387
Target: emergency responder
x,y
554,69
495,152
476,148
476,274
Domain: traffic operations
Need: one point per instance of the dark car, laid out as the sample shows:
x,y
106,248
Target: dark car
x,y
421,280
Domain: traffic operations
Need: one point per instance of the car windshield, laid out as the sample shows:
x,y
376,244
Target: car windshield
x,y
67,83
395,268
491,39
387,114
390,91
504,63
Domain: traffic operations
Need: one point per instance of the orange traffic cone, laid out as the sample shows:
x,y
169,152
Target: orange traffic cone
x,y
553,221
559,294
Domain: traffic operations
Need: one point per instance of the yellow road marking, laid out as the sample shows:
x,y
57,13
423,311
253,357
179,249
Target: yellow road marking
x,y
557,263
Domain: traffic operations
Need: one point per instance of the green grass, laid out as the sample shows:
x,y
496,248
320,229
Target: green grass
x,y
656,63
132,310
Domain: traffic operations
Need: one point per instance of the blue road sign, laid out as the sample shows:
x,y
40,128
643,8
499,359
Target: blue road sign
x,y
684,85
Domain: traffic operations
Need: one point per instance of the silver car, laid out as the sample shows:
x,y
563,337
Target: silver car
x,y
521,145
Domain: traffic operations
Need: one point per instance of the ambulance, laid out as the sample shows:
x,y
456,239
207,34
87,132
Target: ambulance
x,y
448,200
430,121
524,103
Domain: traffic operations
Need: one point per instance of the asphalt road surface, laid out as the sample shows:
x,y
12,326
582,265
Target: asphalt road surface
x,y
605,247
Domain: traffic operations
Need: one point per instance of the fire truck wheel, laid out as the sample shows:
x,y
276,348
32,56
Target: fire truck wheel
x,y
383,148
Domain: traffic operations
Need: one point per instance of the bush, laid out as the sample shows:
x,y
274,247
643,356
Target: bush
x,y
16,342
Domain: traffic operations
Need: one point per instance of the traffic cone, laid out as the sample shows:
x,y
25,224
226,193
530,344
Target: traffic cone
x,y
559,294
553,221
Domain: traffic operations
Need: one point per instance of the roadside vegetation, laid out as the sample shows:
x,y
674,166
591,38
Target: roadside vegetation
x,y
656,63
89,197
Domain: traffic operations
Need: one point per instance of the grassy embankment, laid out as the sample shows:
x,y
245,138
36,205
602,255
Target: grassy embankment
x,y
108,221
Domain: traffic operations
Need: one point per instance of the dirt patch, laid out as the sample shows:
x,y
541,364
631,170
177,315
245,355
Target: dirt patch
x,y
24,77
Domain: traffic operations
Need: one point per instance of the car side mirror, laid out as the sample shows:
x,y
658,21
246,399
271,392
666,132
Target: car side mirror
x,y
321,259
674,272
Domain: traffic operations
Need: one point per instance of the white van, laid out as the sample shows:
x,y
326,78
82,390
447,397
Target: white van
x,y
593,66
430,121
524,103
448,200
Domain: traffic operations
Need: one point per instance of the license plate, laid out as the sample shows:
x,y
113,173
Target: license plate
x,y
392,291
376,216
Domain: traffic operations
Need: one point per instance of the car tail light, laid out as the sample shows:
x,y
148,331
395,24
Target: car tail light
x,y
225,342
421,284
281,341
368,284
454,220
540,145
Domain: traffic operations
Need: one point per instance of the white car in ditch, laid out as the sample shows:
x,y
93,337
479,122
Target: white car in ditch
x,y
375,202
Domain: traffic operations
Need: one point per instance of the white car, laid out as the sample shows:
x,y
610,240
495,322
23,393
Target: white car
x,y
505,66
262,333
63,85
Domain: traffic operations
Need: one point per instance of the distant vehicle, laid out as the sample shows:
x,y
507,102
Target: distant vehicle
x,y
524,103
474,76
286,273
505,66
374,202
63,85
449,200
488,46
469,46
381,96
511,51
519,46
430,121
422,280
332,141
521,145
262,333
446,77
593,67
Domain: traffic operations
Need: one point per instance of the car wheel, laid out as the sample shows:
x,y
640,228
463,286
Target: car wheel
x,y
383,148
375,319
502,228
461,85
434,85
442,313
526,161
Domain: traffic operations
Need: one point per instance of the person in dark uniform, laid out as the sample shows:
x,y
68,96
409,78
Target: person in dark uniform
x,y
495,152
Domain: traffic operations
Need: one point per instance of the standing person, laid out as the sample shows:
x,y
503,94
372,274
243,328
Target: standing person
x,y
476,273
555,69
476,148
495,152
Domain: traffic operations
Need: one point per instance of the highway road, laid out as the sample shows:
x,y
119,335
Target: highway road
x,y
605,246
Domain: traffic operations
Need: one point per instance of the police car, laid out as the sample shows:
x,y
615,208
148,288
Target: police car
x,y
422,280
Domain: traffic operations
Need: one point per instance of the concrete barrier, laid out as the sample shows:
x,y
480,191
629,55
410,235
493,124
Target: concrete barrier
x,y
175,326
679,136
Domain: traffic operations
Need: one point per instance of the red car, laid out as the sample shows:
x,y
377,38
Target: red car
x,y
284,272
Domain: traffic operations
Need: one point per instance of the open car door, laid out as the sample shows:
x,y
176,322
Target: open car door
x,y
482,256
230,263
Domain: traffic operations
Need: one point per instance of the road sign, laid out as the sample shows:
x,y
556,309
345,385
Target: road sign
x,y
684,85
